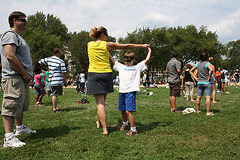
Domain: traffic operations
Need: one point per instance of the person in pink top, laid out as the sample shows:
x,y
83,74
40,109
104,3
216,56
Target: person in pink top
x,y
38,85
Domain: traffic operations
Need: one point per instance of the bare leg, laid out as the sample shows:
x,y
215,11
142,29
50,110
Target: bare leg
x,y
198,102
214,93
101,113
8,123
36,97
54,102
192,98
19,120
226,83
172,100
131,118
208,103
124,116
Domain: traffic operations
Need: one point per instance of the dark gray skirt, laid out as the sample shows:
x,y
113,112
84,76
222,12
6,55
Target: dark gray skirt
x,y
99,83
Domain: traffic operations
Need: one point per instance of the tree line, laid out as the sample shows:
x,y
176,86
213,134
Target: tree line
x,y
46,32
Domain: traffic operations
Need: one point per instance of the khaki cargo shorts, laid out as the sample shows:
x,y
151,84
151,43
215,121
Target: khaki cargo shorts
x,y
175,89
16,96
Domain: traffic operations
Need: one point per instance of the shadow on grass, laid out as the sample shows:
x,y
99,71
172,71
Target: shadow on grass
x,y
150,126
74,109
52,132
140,127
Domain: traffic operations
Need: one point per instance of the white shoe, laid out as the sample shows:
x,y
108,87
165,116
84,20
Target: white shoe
x,y
210,114
25,130
218,91
12,142
227,92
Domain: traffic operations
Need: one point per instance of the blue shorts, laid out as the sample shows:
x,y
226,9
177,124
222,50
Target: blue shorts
x,y
38,89
127,101
207,88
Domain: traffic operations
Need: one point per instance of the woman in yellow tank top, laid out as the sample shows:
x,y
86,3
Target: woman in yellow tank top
x,y
100,79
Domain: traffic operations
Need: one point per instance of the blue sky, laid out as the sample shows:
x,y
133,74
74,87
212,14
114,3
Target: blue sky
x,y
124,16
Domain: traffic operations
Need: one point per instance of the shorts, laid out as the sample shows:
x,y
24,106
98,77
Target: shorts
x,y
48,86
57,90
237,80
38,89
145,84
16,96
175,89
127,101
99,83
224,80
207,88
212,81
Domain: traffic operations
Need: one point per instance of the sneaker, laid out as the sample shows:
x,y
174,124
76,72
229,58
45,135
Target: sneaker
x,y
176,110
12,142
25,130
131,133
198,112
78,101
210,114
218,91
124,127
227,92
38,104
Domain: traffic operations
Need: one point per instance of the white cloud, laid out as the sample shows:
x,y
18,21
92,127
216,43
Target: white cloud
x,y
228,27
159,18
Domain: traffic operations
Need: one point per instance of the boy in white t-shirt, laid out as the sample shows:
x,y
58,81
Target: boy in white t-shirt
x,y
129,76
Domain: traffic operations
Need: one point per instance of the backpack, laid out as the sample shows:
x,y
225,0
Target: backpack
x,y
222,75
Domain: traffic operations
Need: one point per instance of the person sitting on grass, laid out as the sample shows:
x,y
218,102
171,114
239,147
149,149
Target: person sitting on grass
x,y
129,76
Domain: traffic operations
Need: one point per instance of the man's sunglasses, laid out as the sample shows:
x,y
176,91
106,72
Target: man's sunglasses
x,y
23,20
128,60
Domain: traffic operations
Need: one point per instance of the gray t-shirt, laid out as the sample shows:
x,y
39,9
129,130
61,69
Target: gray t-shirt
x,y
22,53
172,66
203,72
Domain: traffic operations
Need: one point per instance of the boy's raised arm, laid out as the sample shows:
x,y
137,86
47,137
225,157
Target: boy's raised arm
x,y
148,55
111,59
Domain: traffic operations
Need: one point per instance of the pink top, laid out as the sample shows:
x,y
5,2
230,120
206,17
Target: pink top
x,y
37,77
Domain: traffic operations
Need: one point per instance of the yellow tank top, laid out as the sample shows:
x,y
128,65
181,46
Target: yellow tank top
x,y
98,57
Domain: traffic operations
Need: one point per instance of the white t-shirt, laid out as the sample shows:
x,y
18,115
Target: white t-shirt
x,y
129,76
82,77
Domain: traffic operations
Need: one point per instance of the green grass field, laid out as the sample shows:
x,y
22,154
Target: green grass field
x,y
72,134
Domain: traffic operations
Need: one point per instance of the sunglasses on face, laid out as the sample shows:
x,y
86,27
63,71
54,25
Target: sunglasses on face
x,y
128,60
23,20
106,34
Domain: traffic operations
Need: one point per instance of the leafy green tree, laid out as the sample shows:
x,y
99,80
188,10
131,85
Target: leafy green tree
x,y
43,34
232,60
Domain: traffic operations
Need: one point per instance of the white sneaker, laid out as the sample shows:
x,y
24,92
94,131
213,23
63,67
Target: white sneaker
x,y
227,92
12,142
25,130
218,91
210,114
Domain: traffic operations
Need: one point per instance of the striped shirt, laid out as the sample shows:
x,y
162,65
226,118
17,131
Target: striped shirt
x,y
56,69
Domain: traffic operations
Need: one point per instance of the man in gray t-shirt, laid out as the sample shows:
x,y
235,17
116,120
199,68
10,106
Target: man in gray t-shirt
x,y
174,70
16,74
